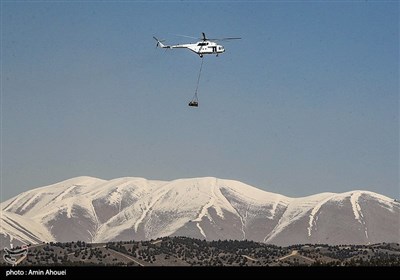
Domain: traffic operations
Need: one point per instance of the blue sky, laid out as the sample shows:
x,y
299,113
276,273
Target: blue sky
x,y
306,102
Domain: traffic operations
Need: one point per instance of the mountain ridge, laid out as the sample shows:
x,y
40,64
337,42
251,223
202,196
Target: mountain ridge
x,y
134,208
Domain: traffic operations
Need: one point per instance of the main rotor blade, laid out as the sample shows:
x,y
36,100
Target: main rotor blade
x,y
191,37
204,38
226,39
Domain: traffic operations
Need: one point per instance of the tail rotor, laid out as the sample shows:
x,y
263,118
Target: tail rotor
x,y
159,43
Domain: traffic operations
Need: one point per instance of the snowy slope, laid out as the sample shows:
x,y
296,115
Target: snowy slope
x,y
95,210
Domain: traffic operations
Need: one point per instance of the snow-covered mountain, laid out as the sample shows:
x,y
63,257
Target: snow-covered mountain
x,y
95,210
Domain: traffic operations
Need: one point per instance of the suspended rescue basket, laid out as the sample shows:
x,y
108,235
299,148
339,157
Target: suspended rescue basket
x,y
195,101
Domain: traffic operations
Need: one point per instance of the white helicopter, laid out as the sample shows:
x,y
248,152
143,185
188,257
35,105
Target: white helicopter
x,y
205,46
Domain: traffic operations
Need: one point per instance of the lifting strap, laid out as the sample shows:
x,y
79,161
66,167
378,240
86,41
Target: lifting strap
x,y
195,100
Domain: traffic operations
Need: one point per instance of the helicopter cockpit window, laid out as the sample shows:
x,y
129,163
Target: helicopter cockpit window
x,y
202,44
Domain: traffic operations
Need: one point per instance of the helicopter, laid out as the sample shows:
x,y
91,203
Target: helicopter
x,y
205,46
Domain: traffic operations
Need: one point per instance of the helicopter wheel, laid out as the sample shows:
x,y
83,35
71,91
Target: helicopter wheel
x,y
201,55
